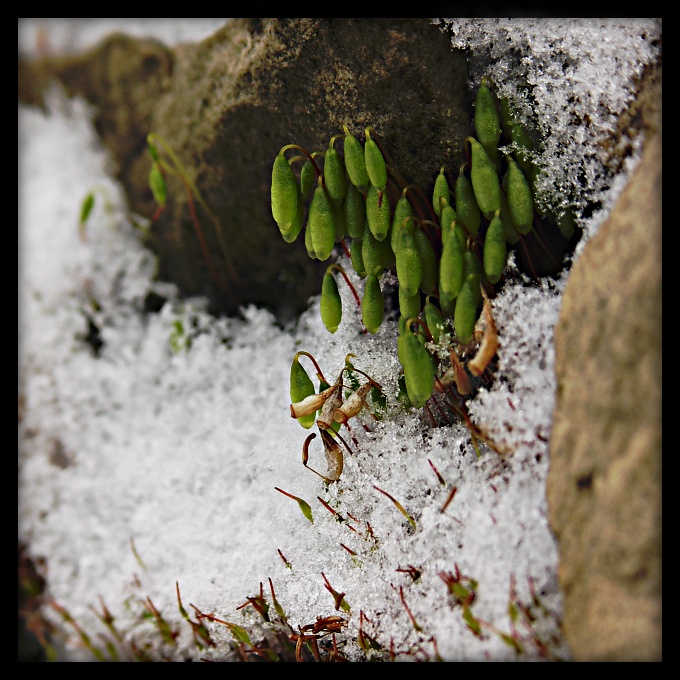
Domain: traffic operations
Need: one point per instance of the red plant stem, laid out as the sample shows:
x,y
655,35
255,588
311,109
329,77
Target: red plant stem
x,y
313,360
328,507
449,499
436,472
204,248
408,611
306,153
349,283
285,493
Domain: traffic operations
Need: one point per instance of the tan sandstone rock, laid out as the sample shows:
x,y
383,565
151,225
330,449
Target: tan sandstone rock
x,y
604,485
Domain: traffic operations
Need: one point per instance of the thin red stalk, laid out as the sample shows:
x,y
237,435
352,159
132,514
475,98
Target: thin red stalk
x,y
349,283
408,611
306,153
204,248
449,498
313,360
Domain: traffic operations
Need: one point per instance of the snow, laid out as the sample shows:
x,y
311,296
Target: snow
x,y
157,459
563,77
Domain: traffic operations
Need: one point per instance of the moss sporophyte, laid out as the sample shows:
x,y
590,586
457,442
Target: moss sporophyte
x,y
449,252
162,168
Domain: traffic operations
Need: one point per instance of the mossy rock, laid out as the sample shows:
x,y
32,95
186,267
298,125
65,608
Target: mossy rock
x,y
227,105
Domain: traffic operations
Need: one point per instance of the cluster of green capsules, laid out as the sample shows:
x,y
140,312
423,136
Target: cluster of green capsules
x,y
444,249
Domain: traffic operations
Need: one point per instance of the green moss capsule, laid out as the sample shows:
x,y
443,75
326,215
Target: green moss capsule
x,y
434,319
525,144
372,304
451,266
465,314
308,243
511,233
533,179
340,221
321,222
409,265
400,337
487,121
355,161
467,209
86,207
507,119
495,157
335,175
330,303
284,193
423,339
485,184
375,163
402,395
378,213
459,231
472,267
428,260
357,257
301,387
402,325
448,306
158,186
289,235
517,134
402,211
520,201
151,148
409,305
307,178
418,369
441,190
447,217
355,211
377,255
372,255
495,252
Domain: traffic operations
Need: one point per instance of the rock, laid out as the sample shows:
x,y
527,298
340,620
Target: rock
x,y
227,105
122,78
604,485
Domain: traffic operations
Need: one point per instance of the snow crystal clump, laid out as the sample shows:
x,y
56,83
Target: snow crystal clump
x,y
568,80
